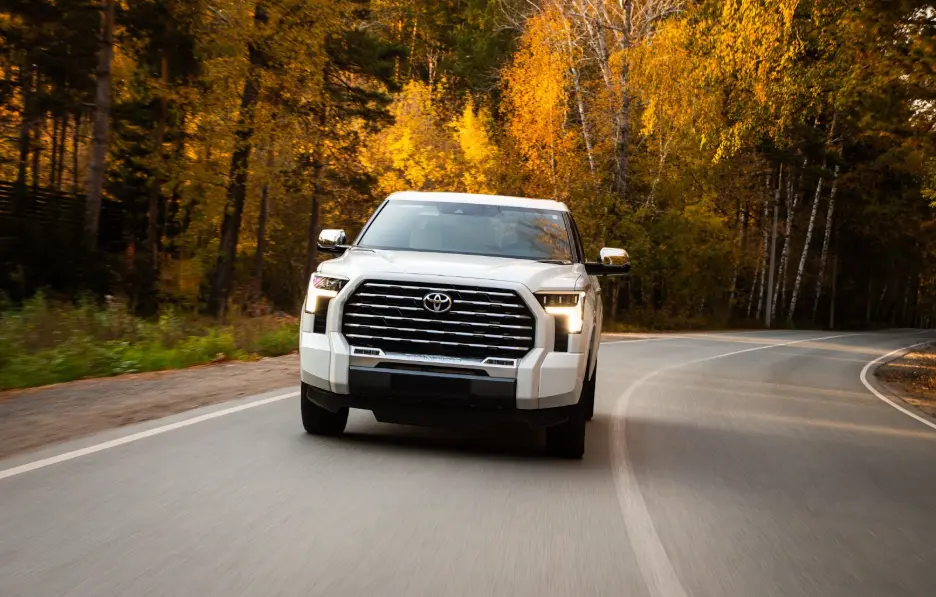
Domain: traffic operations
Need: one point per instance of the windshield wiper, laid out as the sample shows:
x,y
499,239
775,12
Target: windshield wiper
x,y
555,261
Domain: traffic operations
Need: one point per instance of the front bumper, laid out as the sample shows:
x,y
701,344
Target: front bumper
x,y
404,398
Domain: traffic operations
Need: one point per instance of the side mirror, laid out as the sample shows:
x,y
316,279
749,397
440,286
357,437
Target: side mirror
x,y
332,241
612,262
609,256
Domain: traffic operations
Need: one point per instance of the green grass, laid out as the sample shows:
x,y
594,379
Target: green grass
x,y
49,342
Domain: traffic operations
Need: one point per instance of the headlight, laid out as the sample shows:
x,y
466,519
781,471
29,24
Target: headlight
x,y
569,306
326,287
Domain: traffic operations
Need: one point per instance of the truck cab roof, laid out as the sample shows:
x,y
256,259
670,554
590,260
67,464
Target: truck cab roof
x,y
479,199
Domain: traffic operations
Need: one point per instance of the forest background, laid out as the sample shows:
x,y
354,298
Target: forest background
x,y
165,165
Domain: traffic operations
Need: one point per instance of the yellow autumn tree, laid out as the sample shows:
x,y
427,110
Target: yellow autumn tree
x,y
432,148
479,152
723,73
536,98
416,152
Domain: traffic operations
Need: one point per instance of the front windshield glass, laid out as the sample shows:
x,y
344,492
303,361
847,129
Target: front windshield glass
x,y
470,229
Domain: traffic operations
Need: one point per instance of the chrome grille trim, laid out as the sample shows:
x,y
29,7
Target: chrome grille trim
x,y
482,323
437,332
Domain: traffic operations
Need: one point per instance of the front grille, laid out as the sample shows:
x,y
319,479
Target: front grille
x,y
482,322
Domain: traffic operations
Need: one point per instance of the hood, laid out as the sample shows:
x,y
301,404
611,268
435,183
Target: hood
x,y
474,269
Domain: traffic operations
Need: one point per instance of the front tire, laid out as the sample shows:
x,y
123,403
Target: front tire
x,y
567,440
321,421
588,395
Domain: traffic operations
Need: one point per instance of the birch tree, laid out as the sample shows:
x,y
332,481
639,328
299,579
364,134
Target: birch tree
x,y
792,202
791,312
763,258
825,242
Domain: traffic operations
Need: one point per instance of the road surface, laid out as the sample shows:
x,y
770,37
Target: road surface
x,y
749,464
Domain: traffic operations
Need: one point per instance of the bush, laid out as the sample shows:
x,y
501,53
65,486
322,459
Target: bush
x,y
50,342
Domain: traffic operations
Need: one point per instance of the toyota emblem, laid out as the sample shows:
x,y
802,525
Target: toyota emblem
x,y
437,302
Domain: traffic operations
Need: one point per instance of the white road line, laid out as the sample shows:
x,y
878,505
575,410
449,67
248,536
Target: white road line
x,y
864,380
655,565
638,341
31,466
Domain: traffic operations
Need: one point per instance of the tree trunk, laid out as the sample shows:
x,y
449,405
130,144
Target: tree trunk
x,y
223,275
769,311
754,287
174,223
741,234
580,103
802,263
781,267
763,275
76,148
261,225
825,242
38,131
792,201
834,289
156,183
62,144
102,107
148,267
26,122
622,158
880,304
906,303
53,166
622,153
586,133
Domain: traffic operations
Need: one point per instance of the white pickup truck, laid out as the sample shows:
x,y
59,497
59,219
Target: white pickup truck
x,y
454,309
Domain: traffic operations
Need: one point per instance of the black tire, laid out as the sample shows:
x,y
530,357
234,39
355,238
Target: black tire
x,y
588,395
321,421
567,440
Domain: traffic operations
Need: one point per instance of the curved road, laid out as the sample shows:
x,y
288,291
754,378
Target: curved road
x,y
749,464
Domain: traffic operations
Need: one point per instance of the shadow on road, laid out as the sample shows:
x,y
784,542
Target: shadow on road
x,y
504,443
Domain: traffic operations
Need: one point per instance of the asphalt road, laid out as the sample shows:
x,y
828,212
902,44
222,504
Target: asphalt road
x,y
717,465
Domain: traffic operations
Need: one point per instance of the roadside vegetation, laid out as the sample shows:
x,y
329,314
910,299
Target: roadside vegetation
x,y
46,342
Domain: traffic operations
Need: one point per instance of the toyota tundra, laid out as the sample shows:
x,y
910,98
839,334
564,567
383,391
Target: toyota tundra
x,y
453,309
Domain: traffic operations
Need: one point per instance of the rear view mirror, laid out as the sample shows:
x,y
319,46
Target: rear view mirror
x,y
332,241
612,262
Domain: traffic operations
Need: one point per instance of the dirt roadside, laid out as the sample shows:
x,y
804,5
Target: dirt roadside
x,y
912,378
36,417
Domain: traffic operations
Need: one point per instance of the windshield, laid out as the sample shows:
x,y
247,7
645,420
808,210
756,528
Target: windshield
x,y
471,229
